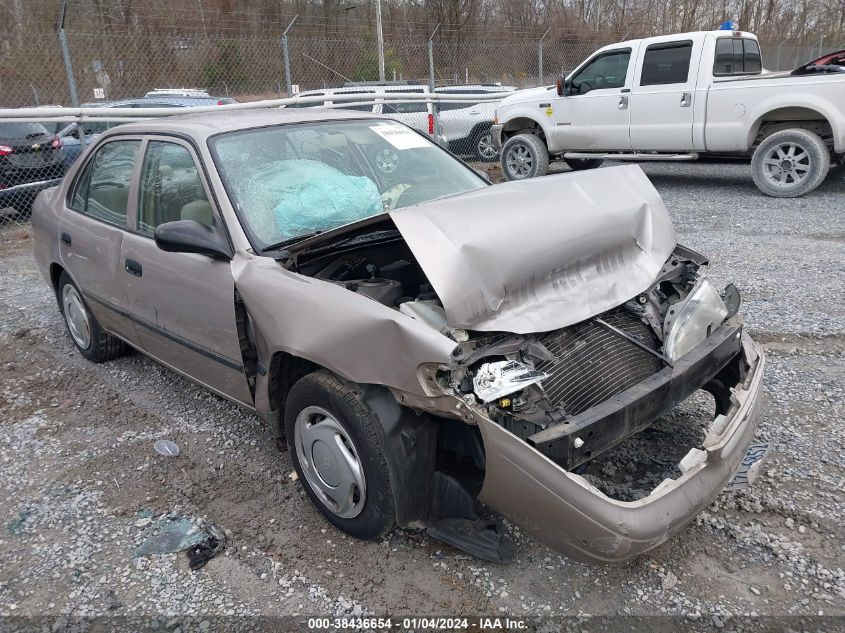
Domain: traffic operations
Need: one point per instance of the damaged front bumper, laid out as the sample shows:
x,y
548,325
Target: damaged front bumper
x,y
564,511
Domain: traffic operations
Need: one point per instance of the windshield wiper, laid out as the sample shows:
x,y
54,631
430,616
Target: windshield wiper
x,y
288,242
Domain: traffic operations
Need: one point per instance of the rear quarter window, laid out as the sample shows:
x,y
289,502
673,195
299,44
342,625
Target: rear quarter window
x,y
737,56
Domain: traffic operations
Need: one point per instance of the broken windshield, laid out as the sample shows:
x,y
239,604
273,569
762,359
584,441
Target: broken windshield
x,y
291,181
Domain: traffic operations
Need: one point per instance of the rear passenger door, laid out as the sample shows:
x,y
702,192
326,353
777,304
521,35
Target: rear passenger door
x,y
662,104
182,303
92,230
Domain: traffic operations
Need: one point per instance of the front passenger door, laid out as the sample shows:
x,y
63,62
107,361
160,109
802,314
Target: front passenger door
x,y
593,116
182,303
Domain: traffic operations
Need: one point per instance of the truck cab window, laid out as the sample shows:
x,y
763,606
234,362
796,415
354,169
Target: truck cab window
x,y
666,64
737,56
608,70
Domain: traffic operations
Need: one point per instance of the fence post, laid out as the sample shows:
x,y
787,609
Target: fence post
x,y
821,44
540,56
286,56
71,82
434,107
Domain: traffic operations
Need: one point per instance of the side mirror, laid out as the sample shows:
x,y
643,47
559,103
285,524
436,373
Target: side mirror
x,y
560,84
189,236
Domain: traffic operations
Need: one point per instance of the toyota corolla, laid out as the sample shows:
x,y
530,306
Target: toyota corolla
x,y
423,341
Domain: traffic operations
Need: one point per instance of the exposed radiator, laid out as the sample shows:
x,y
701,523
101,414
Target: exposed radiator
x,y
594,363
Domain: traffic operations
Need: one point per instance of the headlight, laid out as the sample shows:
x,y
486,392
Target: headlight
x,y
502,378
702,310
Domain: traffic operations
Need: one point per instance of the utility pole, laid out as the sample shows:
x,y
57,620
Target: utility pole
x,y
71,82
380,36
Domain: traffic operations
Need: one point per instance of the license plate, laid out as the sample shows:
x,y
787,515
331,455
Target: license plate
x,y
749,468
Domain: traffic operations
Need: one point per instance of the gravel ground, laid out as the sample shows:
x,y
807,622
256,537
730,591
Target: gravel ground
x,y
83,487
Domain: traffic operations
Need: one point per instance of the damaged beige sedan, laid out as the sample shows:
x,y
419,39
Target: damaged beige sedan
x,y
420,339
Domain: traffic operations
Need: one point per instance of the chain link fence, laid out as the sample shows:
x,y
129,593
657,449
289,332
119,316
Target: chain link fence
x,y
86,66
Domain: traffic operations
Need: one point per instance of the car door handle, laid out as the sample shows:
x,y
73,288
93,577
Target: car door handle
x,y
66,239
623,102
686,101
133,268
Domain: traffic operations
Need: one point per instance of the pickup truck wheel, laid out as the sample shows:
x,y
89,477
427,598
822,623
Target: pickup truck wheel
x,y
577,164
524,156
483,148
790,163
90,339
338,453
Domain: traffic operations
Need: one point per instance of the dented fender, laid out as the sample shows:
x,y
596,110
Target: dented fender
x,y
358,339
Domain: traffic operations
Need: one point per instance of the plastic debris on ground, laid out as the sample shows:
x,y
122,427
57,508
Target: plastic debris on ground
x,y
166,448
175,533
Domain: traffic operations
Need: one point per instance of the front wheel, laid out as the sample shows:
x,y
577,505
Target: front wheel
x,y
790,163
524,156
338,454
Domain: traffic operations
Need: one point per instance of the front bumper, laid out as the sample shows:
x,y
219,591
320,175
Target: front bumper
x,y
565,512
496,134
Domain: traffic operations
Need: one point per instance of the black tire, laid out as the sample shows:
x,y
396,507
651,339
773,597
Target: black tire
x,y
102,346
790,163
325,391
483,148
533,153
577,164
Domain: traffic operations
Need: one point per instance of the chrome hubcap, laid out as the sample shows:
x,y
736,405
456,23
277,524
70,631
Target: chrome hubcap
x,y
485,146
387,160
330,462
786,165
76,316
519,161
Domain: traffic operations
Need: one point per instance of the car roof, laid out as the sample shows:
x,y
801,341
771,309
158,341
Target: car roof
x,y
201,125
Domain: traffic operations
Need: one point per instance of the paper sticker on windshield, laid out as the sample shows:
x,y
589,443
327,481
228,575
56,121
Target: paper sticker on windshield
x,y
400,137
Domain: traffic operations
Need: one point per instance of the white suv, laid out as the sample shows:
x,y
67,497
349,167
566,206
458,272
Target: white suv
x,y
466,126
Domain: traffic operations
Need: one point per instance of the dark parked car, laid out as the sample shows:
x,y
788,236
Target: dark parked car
x,y
30,160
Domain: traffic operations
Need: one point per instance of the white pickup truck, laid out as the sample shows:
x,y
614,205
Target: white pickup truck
x,y
677,97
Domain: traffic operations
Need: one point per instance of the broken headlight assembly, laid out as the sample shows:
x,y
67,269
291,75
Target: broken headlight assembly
x,y
502,378
690,321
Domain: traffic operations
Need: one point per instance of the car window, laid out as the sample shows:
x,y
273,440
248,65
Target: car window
x,y
666,64
171,188
737,56
608,70
288,181
22,131
102,189
366,95
405,108
307,105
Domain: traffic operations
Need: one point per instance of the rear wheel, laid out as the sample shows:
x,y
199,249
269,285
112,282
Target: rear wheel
x,y
90,339
524,156
338,453
790,163
483,148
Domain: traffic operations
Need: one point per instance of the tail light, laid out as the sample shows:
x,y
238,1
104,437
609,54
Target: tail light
x,y
56,143
219,102
431,123
5,150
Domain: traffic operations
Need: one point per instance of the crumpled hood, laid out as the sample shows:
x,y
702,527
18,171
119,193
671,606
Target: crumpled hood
x,y
541,254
